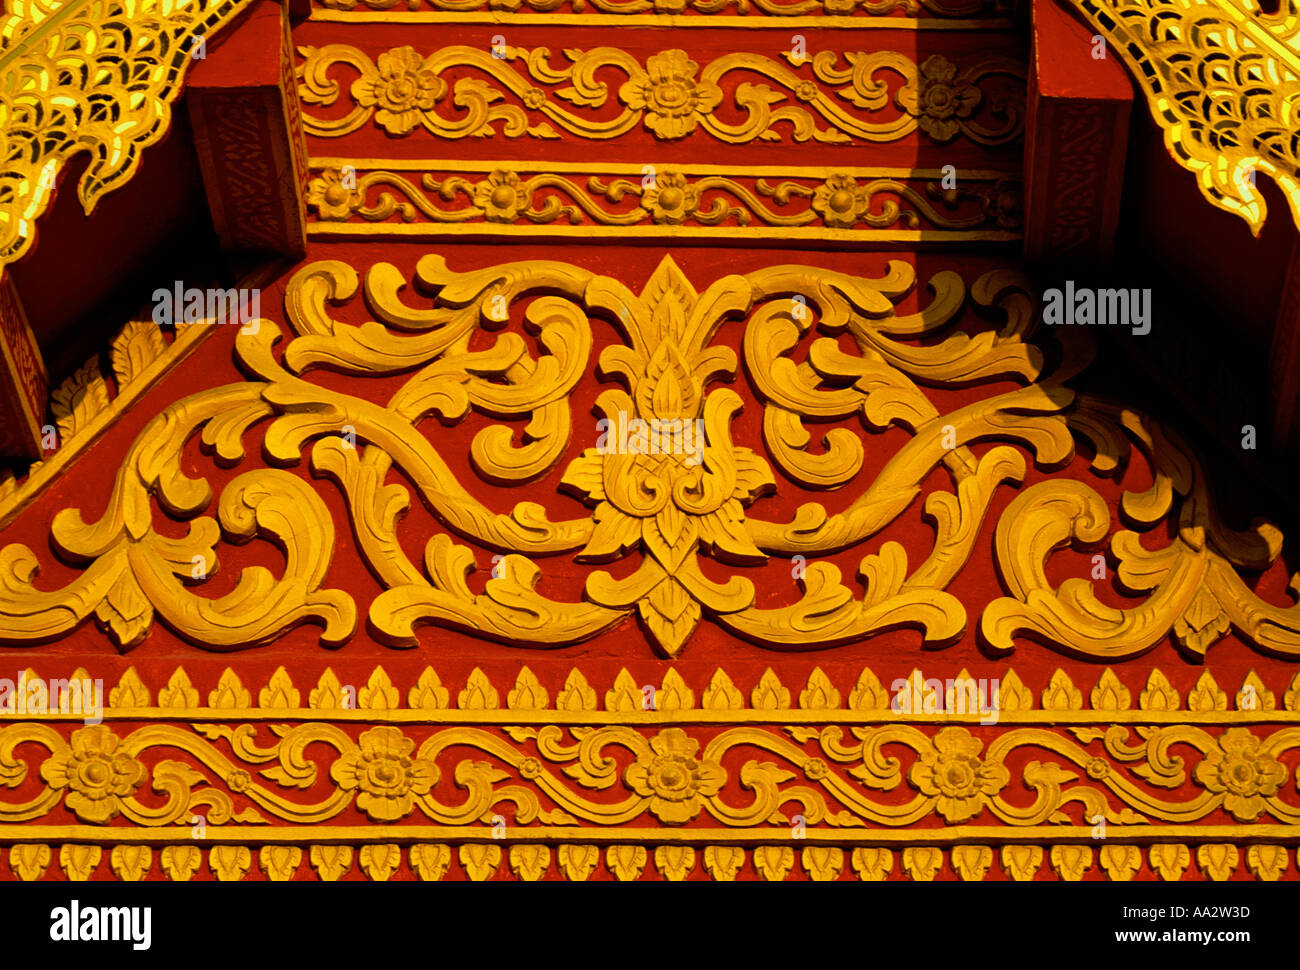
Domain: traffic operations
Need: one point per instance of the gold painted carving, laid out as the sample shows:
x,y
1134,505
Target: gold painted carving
x,y
548,765
670,95
756,8
1222,81
669,197
85,404
563,788
578,862
695,493
87,75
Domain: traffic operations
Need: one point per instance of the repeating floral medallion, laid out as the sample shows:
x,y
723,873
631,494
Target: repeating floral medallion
x,y
857,96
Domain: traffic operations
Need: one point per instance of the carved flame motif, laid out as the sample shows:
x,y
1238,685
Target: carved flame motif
x,y
666,507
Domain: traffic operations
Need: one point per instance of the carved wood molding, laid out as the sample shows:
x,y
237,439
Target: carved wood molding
x,y
855,13
672,772
873,96
429,199
665,506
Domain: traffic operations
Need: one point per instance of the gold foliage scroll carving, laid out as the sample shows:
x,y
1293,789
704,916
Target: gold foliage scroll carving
x,y
553,775
757,8
613,781
95,76
1222,80
665,506
671,95
504,196
670,776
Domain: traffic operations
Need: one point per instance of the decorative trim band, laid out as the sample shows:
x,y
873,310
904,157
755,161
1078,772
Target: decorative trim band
x,y
448,198
402,90
477,861
652,776
712,13
660,20
672,701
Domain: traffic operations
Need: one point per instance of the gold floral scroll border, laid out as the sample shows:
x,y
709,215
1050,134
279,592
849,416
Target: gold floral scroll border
x,y
749,13
626,784
1222,81
87,76
862,96
431,199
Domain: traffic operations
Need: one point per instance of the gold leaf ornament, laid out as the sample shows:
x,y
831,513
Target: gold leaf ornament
x,y
702,496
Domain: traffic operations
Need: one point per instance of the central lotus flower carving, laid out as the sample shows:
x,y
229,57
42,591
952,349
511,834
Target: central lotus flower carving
x,y
98,771
671,501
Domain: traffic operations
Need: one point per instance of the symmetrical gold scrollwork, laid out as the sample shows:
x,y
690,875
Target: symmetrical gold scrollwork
x,y
838,780
551,774
665,480
96,76
1222,80
671,95
666,198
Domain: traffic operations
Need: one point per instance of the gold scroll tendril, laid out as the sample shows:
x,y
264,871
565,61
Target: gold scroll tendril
x,y
875,96
668,506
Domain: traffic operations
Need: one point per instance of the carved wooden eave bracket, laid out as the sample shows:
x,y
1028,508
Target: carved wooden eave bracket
x,y
1222,81
91,76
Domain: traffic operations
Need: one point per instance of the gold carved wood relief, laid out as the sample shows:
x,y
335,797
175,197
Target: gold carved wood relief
x,y
725,769
664,508
1222,80
366,196
863,96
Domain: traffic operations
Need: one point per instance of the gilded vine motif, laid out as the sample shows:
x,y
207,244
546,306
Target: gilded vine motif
x,y
671,95
663,504
671,198
758,8
617,775
437,764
